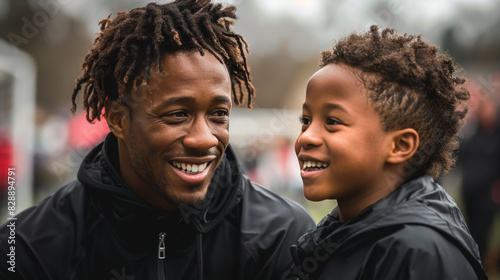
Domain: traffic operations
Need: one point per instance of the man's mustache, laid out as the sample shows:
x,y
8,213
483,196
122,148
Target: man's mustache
x,y
195,153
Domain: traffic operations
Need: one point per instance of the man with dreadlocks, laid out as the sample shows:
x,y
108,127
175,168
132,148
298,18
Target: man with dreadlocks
x,y
163,197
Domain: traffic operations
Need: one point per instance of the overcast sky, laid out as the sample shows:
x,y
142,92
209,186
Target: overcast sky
x,y
303,26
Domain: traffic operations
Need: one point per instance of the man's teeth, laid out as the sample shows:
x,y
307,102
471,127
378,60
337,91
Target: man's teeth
x,y
190,168
314,164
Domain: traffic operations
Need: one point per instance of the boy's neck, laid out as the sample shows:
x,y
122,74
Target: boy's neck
x,y
349,208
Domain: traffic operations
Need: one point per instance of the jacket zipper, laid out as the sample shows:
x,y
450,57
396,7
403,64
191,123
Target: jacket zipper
x,y
161,257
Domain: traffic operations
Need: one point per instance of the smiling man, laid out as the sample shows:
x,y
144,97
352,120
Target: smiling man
x,y
163,197
170,148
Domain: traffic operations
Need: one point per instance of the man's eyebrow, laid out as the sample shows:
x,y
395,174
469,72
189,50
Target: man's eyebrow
x,y
189,99
176,100
221,99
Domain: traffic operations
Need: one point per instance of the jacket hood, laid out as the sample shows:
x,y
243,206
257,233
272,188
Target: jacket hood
x,y
419,202
122,207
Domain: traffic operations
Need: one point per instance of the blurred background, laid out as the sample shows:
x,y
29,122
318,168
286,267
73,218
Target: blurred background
x,y
43,43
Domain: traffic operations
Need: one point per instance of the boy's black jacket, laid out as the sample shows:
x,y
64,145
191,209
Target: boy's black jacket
x,y
417,232
98,228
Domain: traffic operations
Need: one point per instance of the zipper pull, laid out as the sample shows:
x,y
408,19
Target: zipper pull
x,y
161,246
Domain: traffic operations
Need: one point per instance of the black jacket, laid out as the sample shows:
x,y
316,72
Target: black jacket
x,y
98,228
417,232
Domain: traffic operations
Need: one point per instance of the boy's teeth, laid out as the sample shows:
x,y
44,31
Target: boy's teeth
x,y
190,168
314,164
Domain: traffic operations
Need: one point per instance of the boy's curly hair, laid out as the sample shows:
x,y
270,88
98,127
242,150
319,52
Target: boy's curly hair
x,y
129,45
410,85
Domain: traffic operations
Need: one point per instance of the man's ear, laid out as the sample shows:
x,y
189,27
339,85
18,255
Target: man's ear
x,y
404,145
117,116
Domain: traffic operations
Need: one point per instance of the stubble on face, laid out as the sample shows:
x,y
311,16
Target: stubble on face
x,y
159,183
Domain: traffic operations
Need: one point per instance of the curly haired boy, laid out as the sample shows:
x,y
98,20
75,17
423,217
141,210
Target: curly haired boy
x,y
379,124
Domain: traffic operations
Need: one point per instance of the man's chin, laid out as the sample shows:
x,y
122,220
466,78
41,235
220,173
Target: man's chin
x,y
195,198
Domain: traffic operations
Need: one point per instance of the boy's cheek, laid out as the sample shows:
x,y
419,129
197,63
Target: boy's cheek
x,y
297,146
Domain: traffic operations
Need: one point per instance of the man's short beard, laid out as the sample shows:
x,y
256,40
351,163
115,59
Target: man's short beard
x,y
179,199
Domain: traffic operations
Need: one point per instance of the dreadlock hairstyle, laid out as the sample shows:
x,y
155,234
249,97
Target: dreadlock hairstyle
x,y
410,85
129,45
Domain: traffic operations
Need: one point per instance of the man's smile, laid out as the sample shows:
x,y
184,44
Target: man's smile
x,y
190,168
193,170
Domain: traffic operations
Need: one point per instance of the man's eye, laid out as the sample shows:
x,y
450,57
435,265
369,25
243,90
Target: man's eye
x,y
175,117
221,113
221,116
180,114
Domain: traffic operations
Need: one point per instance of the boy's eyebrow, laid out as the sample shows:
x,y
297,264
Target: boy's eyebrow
x,y
334,106
328,106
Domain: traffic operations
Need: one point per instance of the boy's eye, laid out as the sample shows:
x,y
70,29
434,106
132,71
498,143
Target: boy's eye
x,y
332,121
304,120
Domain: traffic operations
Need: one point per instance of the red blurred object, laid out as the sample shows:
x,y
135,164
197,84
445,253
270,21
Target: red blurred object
x,y
6,154
84,135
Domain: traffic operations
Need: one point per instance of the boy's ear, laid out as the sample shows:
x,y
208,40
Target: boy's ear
x,y
117,116
404,145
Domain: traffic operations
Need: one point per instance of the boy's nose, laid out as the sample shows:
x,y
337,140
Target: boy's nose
x,y
309,138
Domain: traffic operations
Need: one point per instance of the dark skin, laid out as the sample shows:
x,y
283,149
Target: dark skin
x,y
354,160
172,138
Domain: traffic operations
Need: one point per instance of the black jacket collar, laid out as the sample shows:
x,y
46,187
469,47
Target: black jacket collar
x,y
421,201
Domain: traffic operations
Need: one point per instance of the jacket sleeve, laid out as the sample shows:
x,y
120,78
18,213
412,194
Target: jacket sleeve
x,y
414,253
18,261
270,225
280,262
43,240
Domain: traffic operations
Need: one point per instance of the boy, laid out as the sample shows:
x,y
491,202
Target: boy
x,y
379,123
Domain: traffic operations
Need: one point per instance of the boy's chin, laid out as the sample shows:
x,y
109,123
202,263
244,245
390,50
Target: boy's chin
x,y
313,196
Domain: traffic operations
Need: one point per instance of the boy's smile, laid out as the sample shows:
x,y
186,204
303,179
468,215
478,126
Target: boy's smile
x,y
311,167
342,148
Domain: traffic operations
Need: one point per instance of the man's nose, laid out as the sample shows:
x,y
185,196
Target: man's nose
x,y
200,135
